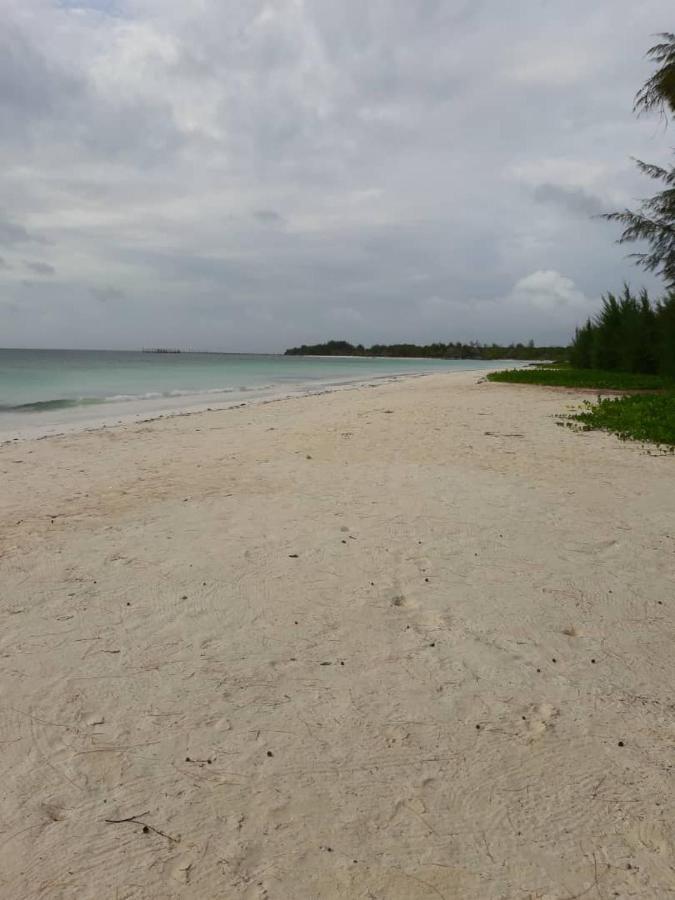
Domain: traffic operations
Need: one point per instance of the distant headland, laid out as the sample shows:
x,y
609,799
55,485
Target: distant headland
x,y
474,350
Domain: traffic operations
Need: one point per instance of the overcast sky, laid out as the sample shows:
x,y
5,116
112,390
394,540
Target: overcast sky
x,y
252,175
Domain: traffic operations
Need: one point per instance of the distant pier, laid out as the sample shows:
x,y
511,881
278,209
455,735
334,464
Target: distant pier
x,y
160,350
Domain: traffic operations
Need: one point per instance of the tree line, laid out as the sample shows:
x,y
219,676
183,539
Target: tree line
x,y
473,350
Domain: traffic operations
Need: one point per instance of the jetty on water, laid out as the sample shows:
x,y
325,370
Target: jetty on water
x,y
160,350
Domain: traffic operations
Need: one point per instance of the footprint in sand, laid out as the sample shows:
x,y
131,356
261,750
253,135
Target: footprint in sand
x,y
423,619
538,720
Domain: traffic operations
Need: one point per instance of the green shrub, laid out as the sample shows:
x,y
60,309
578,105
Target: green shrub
x,y
639,418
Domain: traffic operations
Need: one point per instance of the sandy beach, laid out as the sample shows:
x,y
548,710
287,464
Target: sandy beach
x,y
407,641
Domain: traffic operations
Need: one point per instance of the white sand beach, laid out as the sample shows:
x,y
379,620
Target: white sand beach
x,y
409,641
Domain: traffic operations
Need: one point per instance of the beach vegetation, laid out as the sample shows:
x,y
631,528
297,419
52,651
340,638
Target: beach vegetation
x,y
644,412
583,379
641,418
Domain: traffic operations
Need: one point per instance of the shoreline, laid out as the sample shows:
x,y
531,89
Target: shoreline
x,y
401,642
126,418
111,417
42,395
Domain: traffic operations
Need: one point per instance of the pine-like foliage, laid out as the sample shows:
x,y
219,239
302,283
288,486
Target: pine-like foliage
x,y
654,223
658,93
630,334
654,220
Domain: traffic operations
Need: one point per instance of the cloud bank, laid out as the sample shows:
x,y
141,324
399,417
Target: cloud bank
x,y
249,176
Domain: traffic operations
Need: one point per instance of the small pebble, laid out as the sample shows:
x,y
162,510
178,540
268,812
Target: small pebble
x,y
269,753
554,659
184,597
145,829
432,645
592,660
187,759
620,743
477,727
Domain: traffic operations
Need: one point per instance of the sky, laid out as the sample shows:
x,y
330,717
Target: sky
x,y
248,176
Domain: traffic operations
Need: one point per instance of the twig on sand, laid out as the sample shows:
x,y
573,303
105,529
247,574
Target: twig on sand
x,y
487,847
596,880
128,819
146,827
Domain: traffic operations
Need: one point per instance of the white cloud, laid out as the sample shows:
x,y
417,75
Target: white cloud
x,y
548,291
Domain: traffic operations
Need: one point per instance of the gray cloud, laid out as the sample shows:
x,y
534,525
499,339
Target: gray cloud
x,y
13,233
256,175
268,217
106,294
574,199
39,268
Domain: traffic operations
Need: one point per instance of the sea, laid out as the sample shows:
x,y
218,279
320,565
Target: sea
x,y
49,391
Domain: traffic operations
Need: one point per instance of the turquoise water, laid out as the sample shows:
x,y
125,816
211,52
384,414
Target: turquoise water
x,y
37,380
58,388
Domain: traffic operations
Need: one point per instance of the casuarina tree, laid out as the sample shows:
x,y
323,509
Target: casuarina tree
x,y
654,220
